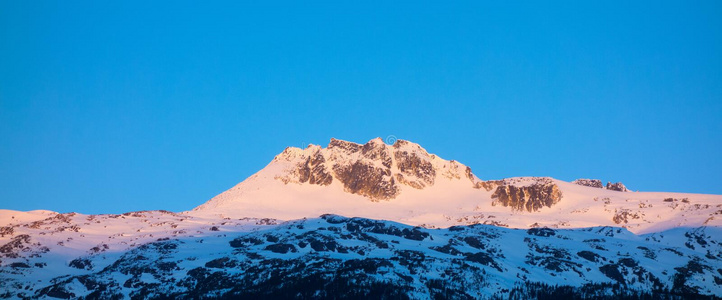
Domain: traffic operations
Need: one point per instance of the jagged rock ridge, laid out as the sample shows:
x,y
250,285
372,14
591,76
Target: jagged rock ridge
x,y
374,170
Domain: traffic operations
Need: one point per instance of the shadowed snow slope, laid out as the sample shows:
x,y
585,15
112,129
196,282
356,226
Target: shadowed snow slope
x,y
157,254
405,183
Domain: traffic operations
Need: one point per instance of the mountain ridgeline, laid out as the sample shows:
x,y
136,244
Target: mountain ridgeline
x,y
382,221
373,170
378,172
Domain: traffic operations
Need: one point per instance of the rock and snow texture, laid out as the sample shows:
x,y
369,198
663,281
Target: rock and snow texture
x,y
617,186
163,255
589,182
35,251
404,183
425,227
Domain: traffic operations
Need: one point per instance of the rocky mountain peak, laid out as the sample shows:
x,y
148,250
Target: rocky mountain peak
x,y
343,146
377,141
407,144
379,172
374,169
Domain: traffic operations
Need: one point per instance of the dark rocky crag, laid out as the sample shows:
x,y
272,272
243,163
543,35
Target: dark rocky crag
x,y
367,180
373,170
530,198
313,171
363,176
595,183
618,186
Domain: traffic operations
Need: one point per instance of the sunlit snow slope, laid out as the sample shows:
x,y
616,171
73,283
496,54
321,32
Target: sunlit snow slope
x,y
404,183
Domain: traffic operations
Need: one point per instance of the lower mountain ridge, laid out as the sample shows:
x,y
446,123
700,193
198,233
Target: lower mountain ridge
x,y
166,255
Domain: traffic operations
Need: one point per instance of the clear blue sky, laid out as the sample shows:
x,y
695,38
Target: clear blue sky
x,y
120,106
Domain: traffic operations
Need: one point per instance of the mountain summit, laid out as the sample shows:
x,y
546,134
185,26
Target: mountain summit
x,y
373,170
404,183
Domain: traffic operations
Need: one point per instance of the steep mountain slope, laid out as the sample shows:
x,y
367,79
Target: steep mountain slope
x,y
406,184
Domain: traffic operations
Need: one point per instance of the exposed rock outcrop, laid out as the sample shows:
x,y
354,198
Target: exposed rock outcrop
x,y
617,187
367,180
624,215
488,185
313,171
376,150
344,146
374,170
413,166
595,183
529,198
468,174
311,168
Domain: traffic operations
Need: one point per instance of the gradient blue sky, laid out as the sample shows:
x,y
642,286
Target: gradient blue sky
x,y
119,106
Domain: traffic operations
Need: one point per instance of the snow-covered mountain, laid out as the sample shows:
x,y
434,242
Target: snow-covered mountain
x,y
375,221
406,184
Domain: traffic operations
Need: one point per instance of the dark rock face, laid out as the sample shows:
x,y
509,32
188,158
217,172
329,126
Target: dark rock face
x,y
313,171
17,245
19,265
590,256
595,183
366,180
377,151
373,170
220,263
81,263
362,176
347,147
281,248
468,174
545,232
530,198
412,165
6,230
617,187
